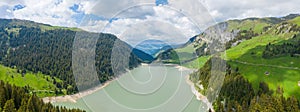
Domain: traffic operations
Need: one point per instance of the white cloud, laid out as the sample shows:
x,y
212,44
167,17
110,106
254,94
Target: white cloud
x,y
54,12
170,26
5,11
93,25
156,30
237,9
137,24
47,11
10,2
187,17
109,8
195,10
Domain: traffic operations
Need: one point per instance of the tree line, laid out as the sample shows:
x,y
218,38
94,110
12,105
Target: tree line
x,y
291,47
17,99
50,52
238,95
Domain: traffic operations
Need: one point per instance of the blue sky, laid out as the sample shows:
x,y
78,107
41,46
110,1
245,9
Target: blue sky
x,y
220,9
161,2
119,17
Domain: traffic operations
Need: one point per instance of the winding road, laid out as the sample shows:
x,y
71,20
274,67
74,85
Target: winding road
x,y
275,66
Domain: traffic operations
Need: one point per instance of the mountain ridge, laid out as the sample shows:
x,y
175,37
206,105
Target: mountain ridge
x,y
30,46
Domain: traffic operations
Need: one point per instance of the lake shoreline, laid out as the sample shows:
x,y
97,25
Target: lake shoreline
x,y
198,95
74,97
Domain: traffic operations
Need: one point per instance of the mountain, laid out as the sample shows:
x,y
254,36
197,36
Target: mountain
x,y
154,47
51,50
147,58
151,46
229,34
179,54
237,92
260,56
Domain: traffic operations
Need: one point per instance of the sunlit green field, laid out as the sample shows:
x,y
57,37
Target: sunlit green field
x,y
296,21
180,55
197,63
283,71
40,83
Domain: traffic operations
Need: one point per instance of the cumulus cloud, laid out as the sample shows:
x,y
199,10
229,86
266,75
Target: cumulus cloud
x,y
237,9
53,12
93,25
160,19
195,10
187,17
109,8
154,30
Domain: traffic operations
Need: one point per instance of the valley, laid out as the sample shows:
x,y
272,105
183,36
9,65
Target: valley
x,y
247,55
261,55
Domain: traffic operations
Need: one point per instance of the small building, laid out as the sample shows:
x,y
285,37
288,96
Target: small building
x,y
267,73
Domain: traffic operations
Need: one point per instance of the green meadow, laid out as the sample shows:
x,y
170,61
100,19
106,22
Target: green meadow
x,y
197,63
283,72
39,83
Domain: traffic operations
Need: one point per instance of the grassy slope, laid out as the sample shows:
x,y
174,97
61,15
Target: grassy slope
x,y
296,21
283,70
256,25
43,27
40,83
36,81
197,63
186,52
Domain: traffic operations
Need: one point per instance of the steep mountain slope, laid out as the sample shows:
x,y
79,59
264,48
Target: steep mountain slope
x,y
259,64
151,46
154,48
30,46
269,57
147,58
237,94
261,74
229,34
171,54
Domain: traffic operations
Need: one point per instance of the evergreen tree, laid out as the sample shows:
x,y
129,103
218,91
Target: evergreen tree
x,y
9,106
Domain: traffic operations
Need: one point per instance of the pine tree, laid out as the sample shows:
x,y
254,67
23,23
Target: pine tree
x,y
30,105
9,106
292,105
254,106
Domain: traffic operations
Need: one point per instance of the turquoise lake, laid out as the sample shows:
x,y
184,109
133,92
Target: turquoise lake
x,y
148,88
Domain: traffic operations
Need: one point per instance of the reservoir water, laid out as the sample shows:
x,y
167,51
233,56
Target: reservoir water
x,y
148,88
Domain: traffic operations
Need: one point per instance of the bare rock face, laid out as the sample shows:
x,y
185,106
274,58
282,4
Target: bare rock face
x,y
214,38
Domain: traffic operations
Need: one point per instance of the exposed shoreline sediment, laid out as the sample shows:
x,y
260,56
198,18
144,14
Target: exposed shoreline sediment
x,y
73,98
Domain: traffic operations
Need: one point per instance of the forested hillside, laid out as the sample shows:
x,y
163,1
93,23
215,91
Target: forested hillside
x,y
290,47
231,33
264,49
237,93
16,99
34,47
261,74
270,57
